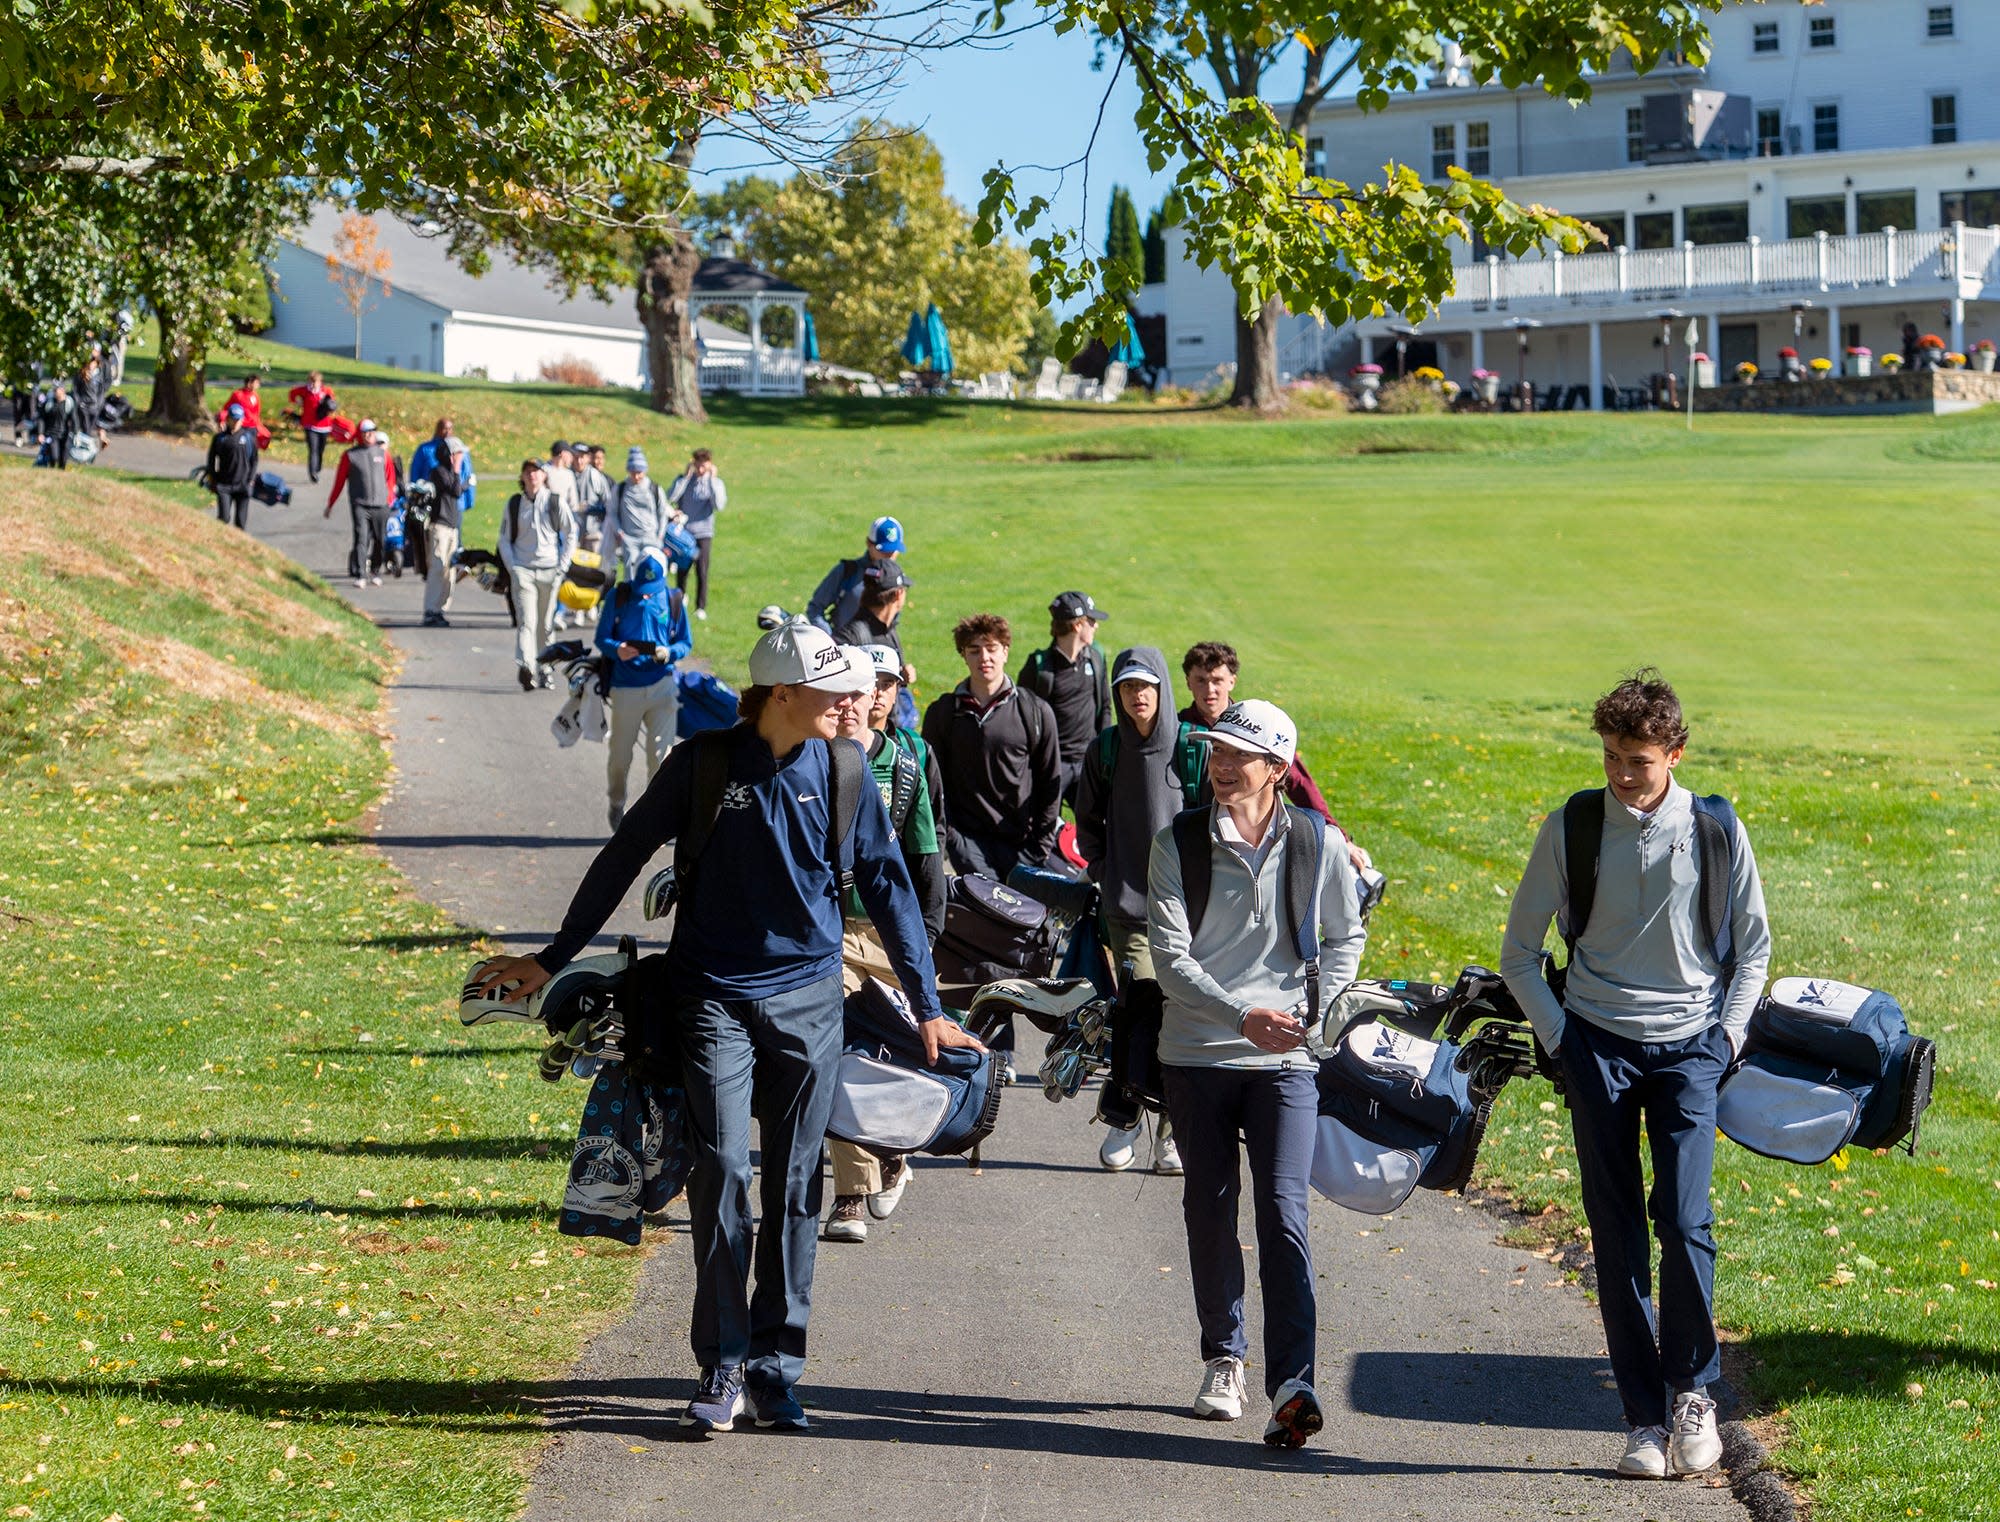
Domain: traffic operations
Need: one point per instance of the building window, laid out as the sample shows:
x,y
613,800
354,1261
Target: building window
x,y
1635,134
1611,224
1764,37
1820,33
1316,156
1877,209
1727,222
1944,118
1939,22
1826,127
1975,208
1770,131
1444,149
1653,229
1806,216
1478,148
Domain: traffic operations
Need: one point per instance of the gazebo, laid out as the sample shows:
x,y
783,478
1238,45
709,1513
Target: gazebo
x,y
754,368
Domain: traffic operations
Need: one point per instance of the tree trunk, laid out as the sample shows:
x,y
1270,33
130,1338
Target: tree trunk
x,y
180,379
664,286
1257,359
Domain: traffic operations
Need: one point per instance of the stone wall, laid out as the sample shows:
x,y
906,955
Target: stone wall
x,y
1930,391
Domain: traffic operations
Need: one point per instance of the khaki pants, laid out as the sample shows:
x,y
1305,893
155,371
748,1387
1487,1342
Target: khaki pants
x,y
862,956
437,585
1126,941
652,709
534,605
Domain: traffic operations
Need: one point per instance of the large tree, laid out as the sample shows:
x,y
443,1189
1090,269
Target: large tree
x,y
1288,238
1124,241
877,239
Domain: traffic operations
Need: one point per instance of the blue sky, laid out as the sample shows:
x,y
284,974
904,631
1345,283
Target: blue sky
x,y
1029,100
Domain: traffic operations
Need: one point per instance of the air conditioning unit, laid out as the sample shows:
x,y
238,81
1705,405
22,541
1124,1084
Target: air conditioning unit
x,y
1692,125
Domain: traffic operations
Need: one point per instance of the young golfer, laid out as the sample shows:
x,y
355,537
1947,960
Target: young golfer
x,y
1649,1020
1230,1050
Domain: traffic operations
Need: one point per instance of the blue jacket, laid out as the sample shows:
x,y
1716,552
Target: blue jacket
x,y
642,609
768,850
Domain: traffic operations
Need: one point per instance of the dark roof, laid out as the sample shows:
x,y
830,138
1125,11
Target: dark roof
x,y
423,266
739,277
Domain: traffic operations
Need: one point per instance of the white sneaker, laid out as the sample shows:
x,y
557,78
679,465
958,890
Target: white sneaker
x,y
894,1183
361,581
1220,1398
1695,1446
1166,1152
1121,1148
1295,1415
702,614
374,581
1645,1454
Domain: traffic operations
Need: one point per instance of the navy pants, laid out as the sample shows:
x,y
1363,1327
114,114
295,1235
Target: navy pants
x,y
1275,1111
1614,1084
787,1048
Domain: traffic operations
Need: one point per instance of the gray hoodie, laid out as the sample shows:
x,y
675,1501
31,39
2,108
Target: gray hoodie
x,y
1118,815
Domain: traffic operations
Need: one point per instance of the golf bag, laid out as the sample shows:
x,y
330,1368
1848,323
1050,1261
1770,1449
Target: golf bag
x,y
1403,1105
678,545
583,585
392,530
1826,1065
991,932
270,489
889,1099
706,702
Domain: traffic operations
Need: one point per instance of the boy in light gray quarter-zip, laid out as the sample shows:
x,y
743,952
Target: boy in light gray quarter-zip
x,y
1650,1019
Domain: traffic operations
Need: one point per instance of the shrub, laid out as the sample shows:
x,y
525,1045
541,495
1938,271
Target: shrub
x,y
569,370
1409,395
1315,393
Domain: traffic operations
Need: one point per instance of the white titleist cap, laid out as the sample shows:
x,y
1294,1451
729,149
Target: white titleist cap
x,y
796,654
1255,725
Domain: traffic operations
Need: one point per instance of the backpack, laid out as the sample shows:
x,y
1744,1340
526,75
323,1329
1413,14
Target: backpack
x,y
711,778
270,489
1715,860
1825,1065
889,1098
706,702
1190,761
1395,1113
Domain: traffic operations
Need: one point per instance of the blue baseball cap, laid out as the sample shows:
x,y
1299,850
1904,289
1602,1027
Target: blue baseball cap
x,y
886,535
236,410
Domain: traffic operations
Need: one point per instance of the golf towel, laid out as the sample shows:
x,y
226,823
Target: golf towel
x,y
631,1156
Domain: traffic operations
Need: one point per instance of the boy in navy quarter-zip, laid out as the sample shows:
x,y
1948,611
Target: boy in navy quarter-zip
x,y
1654,1006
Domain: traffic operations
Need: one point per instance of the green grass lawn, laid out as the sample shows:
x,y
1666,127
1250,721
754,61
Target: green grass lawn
x,y
276,1238
1438,601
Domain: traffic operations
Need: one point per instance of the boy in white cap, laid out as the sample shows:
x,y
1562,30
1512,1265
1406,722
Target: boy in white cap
x,y
756,997
1255,923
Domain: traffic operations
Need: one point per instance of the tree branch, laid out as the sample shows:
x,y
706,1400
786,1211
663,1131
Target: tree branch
x,y
103,167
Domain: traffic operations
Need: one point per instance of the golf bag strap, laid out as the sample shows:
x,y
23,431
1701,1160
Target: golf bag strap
x,y
710,775
1715,843
1191,827
1302,867
905,778
847,768
1583,838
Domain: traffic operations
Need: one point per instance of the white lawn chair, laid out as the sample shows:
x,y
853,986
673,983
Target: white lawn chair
x,y
999,385
1069,388
1048,384
1114,382
869,387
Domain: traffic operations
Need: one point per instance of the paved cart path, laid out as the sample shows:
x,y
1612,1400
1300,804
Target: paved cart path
x,y
1018,1344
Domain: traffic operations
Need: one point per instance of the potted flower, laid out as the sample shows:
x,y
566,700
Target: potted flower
x,y
1954,360
1983,354
1367,380
1930,352
1487,383
1430,375
1891,363
1789,367
1746,372
1860,359
1820,366
1704,371
1450,390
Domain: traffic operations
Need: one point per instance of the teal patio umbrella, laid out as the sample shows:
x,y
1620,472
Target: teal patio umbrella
x,y
937,340
916,350
1128,351
808,340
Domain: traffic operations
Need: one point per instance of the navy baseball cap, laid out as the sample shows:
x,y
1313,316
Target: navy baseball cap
x,y
1077,605
885,576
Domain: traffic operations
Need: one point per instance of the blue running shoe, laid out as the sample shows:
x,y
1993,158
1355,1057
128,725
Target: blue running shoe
x,y
717,1402
778,1410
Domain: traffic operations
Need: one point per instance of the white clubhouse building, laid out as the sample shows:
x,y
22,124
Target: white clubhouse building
x,y
1832,172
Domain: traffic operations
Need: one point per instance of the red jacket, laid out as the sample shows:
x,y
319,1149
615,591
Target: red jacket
x,y
315,406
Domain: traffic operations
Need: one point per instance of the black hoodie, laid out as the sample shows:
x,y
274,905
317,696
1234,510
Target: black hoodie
x,y
1118,816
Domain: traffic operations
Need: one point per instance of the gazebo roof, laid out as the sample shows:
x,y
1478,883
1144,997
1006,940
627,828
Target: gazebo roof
x,y
739,277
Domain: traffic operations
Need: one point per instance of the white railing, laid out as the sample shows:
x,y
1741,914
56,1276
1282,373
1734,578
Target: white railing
x,y
780,373
1965,257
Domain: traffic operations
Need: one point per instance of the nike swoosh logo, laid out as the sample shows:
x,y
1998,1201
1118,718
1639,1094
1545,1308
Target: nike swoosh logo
x,y
809,797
